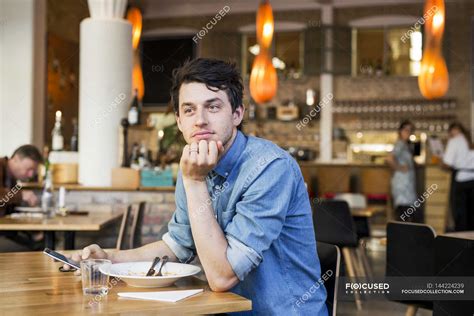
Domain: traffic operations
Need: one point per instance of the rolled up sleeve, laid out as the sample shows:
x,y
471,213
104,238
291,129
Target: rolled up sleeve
x,y
184,254
242,259
260,216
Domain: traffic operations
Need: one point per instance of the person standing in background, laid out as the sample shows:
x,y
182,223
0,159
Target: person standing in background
x,y
459,157
403,179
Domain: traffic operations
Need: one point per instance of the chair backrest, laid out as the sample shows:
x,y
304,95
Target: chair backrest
x,y
123,228
137,223
130,231
330,260
333,223
355,200
410,249
454,257
410,253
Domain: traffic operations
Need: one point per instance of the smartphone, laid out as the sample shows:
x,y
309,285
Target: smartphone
x,y
57,256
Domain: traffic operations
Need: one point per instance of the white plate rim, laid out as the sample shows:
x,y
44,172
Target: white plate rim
x,y
122,276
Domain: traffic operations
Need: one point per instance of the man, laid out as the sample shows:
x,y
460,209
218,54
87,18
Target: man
x,y
241,202
23,165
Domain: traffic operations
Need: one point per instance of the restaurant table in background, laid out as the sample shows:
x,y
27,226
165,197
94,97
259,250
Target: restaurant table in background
x,y
469,234
69,224
362,217
32,285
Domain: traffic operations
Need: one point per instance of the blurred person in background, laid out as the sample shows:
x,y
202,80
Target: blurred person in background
x,y
23,166
459,157
403,179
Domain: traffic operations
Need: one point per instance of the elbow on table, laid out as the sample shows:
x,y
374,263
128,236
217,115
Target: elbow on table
x,y
222,284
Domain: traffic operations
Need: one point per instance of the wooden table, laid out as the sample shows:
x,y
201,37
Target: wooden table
x,y
30,284
94,221
361,219
367,212
465,234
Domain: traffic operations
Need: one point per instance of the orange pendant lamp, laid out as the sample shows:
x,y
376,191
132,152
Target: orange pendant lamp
x,y
433,79
134,16
265,24
263,77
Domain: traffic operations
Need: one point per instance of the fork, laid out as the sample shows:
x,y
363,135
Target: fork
x,y
163,262
151,271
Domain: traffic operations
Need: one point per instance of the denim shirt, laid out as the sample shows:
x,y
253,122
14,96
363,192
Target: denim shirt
x,y
261,203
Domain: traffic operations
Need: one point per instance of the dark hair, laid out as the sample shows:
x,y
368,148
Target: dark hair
x,y
29,151
404,124
463,130
215,74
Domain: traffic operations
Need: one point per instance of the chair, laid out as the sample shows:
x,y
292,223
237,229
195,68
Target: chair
x,y
330,260
357,201
130,227
410,253
454,257
137,223
123,228
333,224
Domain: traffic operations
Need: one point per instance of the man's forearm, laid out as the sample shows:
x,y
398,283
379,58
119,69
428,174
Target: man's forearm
x,y
210,241
144,253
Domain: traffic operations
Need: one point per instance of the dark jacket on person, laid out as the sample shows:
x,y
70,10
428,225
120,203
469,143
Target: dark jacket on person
x,y
10,195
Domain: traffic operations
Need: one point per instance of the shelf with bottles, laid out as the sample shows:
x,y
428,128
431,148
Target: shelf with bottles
x,y
430,125
394,107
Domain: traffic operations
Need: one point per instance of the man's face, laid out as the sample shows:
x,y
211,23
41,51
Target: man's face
x,y
206,114
23,168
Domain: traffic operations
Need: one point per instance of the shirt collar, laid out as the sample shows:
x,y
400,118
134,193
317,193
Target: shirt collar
x,y
227,162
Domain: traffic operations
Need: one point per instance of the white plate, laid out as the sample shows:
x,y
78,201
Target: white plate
x,y
28,209
134,273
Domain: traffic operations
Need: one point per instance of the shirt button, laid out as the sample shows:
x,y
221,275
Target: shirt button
x,y
226,174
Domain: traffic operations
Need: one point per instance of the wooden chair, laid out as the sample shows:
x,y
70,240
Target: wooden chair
x,y
123,228
330,260
358,201
410,253
137,223
129,236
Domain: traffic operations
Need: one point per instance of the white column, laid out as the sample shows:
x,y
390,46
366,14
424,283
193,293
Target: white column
x,y
325,128
22,73
105,89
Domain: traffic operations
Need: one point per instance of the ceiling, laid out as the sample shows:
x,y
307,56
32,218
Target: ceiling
x,y
175,8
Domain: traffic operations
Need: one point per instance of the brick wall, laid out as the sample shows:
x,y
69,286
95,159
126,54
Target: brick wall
x,y
160,208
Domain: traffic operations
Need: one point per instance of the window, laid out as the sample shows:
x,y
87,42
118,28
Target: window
x,y
286,51
394,51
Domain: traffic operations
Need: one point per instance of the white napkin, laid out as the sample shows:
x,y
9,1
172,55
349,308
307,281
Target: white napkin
x,y
165,296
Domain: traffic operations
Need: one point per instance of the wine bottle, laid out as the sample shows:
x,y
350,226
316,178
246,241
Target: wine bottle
x,y
75,135
134,157
133,113
47,198
57,135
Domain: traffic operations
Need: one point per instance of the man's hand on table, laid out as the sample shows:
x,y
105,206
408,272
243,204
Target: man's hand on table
x,y
90,252
29,197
